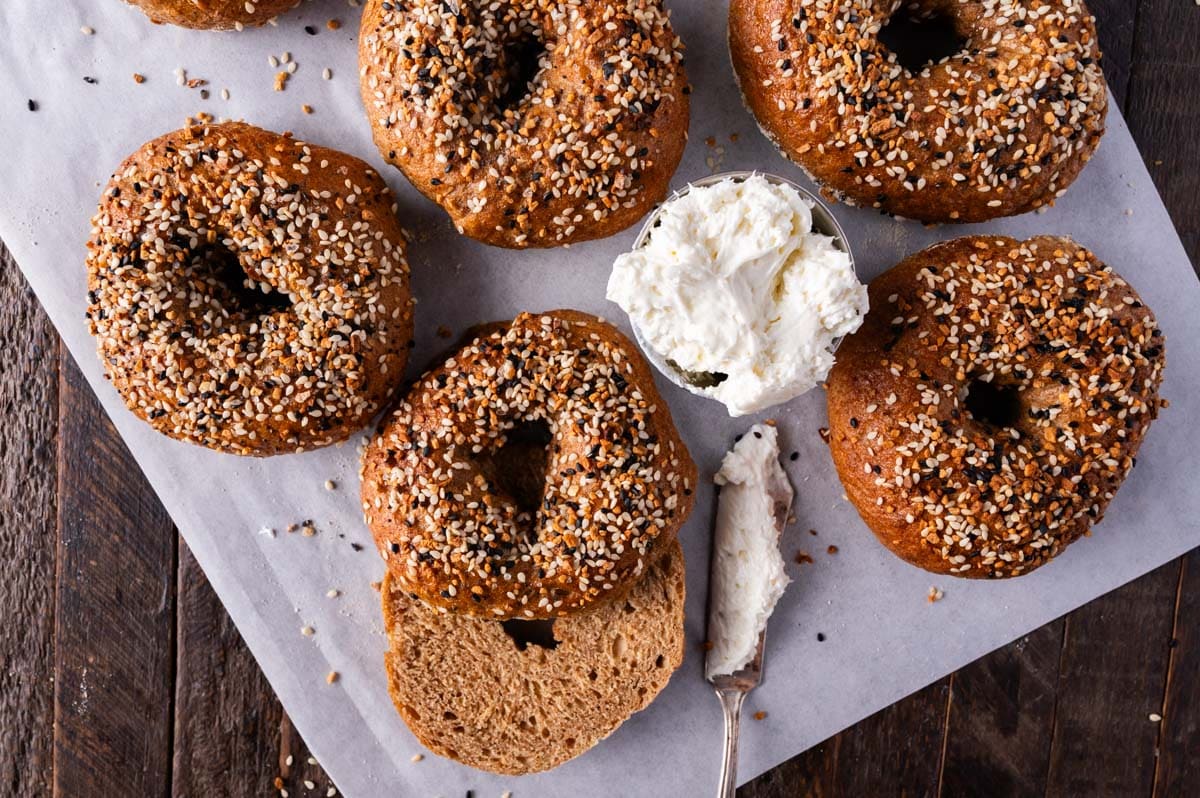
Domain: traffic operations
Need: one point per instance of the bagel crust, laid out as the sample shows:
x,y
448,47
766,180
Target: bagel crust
x,y
941,481
581,152
213,14
193,214
1000,128
616,487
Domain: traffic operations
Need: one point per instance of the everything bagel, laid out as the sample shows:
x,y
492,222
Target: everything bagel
x,y
613,487
533,123
248,291
991,404
999,127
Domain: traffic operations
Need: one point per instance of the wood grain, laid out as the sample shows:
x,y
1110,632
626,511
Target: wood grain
x,y
1164,109
226,717
1001,718
114,629
900,747
1111,677
232,736
29,407
1178,770
1115,24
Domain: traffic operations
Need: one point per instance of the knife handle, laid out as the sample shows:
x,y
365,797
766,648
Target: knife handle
x,y
731,705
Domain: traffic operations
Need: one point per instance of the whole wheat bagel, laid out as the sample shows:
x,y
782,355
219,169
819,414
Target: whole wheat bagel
x,y
993,401
471,691
1001,126
535,473
249,291
533,123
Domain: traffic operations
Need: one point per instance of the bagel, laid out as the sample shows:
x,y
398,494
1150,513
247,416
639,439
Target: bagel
x,y
605,482
533,123
249,292
213,14
471,691
1000,127
992,402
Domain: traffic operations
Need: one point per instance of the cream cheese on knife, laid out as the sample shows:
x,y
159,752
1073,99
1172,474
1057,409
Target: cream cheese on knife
x,y
746,577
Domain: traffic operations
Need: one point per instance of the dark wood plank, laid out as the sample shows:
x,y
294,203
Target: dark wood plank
x,y
1179,738
1164,109
114,629
1001,718
226,717
1111,677
29,407
812,773
1115,23
232,737
1179,743
896,751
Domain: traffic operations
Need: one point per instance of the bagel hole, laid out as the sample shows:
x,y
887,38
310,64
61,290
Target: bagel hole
x,y
523,57
518,468
920,38
240,294
530,633
993,405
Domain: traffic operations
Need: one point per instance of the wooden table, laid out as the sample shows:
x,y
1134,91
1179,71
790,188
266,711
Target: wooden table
x,y
122,675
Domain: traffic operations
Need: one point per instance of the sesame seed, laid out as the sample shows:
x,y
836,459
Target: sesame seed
x,y
887,136
547,182
1042,321
624,459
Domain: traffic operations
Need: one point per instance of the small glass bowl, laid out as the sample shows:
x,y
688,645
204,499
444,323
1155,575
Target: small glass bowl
x,y
823,222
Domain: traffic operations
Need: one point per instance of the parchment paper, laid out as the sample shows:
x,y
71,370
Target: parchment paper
x,y
883,639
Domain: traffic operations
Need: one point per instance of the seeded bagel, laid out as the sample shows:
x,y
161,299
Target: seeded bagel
x,y
1000,127
471,691
213,14
535,473
248,291
533,123
992,402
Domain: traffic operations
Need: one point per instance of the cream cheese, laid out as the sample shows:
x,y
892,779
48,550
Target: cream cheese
x,y
734,281
746,577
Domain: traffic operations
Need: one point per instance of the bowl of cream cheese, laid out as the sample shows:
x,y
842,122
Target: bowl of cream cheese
x,y
739,287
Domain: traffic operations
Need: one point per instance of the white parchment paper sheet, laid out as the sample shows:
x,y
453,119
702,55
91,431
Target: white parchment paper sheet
x,y
883,640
